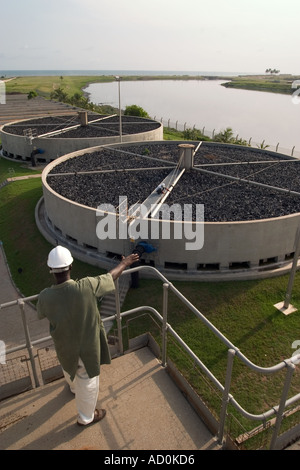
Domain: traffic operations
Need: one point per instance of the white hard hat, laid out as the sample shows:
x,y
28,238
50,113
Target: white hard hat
x,y
59,259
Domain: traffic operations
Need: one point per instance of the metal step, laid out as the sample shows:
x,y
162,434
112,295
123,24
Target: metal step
x,y
108,303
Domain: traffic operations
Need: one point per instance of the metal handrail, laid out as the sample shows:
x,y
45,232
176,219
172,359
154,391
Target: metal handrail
x,y
233,351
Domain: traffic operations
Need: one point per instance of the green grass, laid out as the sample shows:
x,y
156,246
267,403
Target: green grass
x,y
244,312
173,134
9,169
25,248
74,84
45,85
274,84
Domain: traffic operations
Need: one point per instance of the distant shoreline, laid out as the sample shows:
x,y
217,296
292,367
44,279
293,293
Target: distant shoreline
x,y
91,73
44,84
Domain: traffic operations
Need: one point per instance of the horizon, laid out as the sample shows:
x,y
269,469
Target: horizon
x,y
41,72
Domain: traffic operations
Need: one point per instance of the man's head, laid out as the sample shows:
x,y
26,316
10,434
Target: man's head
x,y
59,260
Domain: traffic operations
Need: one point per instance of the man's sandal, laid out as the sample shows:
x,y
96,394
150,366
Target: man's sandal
x,y
98,415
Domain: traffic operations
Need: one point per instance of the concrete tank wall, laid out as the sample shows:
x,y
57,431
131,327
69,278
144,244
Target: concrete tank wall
x,y
227,245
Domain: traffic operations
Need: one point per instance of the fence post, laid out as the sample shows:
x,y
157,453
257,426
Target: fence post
x,y
225,399
164,325
280,411
118,316
28,343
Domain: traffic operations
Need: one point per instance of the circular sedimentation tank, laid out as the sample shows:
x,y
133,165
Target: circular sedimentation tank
x,y
46,138
225,211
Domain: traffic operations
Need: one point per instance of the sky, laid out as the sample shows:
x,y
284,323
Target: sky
x,y
245,36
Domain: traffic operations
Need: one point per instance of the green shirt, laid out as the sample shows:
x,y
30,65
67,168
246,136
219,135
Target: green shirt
x,y
75,324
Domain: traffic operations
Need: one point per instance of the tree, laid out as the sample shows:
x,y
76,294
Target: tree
x,y
32,94
59,94
135,110
271,71
225,136
194,134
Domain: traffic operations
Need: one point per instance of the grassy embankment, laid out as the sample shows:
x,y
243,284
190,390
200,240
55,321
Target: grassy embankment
x,y
44,86
74,84
270,83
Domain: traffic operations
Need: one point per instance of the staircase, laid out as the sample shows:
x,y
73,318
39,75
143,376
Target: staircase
x,y
108,303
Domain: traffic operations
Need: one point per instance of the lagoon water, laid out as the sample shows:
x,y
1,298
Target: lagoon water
x,y
261,116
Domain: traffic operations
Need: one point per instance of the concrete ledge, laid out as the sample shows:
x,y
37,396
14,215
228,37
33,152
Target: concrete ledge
x,y
145,411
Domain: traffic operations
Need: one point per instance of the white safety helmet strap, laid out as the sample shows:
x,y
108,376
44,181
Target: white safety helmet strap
x,y
59,259
59,270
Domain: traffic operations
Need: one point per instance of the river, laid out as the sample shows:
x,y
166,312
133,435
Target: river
x,y
259,116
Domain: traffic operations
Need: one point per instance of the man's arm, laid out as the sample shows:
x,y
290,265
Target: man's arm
x,y
125,263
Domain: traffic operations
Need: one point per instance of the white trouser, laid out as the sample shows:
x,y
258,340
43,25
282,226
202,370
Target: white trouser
x,y
86,393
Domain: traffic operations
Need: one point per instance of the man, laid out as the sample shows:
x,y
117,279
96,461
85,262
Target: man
x,y
77,329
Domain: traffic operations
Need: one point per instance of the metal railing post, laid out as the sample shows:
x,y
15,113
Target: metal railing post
x,y
225,399
118,316
28,342
164,325
285,391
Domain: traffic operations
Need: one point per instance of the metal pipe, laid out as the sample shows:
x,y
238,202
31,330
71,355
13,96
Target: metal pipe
x,y
261,162
118,316
225,399
243,180
288,379
114,149
197,148
253,417
34,343
293,270
233,351
165,323
106,171
196,358
28,343
120,114
16,302
229,344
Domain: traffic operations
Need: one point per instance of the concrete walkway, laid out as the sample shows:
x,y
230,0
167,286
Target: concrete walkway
x,y
11,326
145,411
19,107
